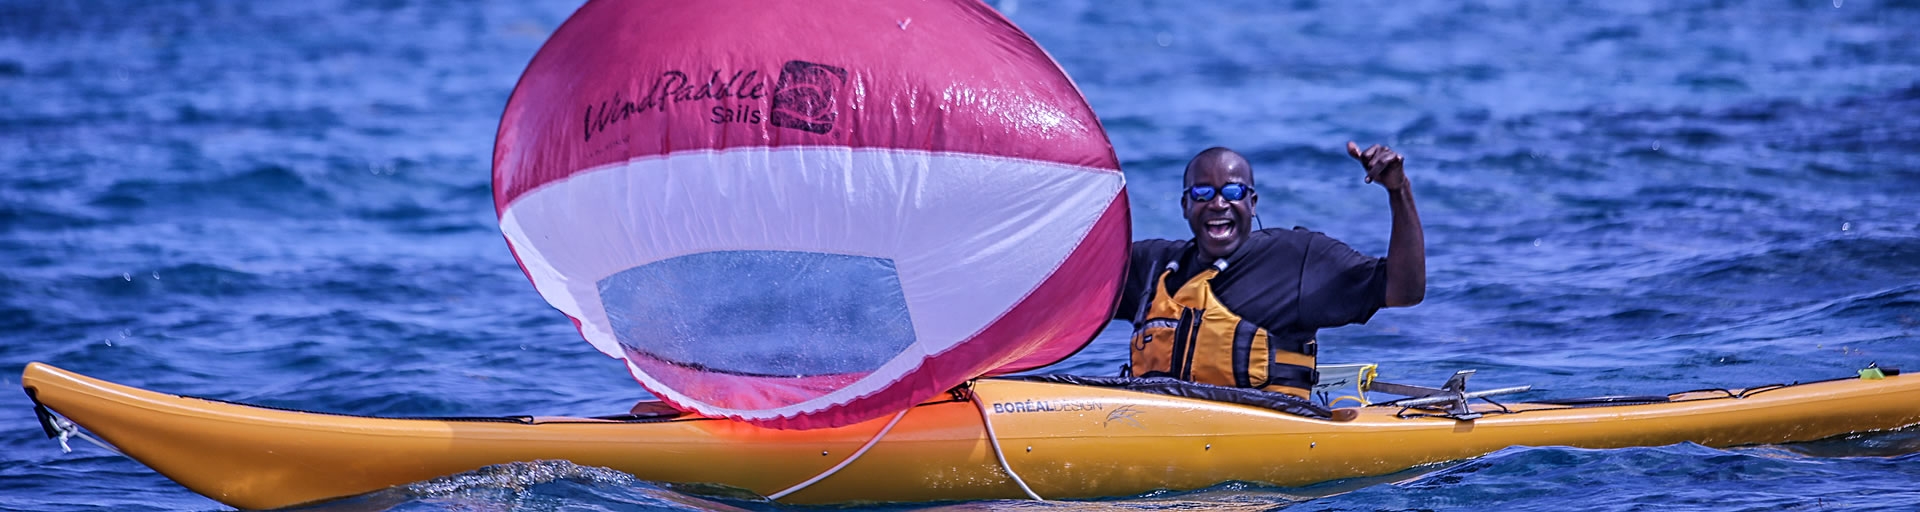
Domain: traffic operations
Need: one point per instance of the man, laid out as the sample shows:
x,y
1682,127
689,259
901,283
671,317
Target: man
x,y
1238,307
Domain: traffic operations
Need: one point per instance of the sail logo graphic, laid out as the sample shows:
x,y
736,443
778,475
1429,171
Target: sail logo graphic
x,y
804,98
671,88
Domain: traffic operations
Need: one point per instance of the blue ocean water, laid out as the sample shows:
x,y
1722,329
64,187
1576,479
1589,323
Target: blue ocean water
x,y
286,203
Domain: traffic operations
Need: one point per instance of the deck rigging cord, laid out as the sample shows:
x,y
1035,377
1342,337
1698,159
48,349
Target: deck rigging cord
x,y
61,430
849,460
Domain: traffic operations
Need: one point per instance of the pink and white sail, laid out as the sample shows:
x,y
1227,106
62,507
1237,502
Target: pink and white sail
x,y
807,214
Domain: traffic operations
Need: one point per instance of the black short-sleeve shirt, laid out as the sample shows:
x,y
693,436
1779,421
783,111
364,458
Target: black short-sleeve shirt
x,y
1284,280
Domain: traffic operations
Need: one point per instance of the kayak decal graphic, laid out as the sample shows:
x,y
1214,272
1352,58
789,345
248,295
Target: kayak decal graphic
x,y
1126,415
1048,406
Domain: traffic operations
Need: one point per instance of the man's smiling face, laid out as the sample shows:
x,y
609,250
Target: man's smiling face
x,y
1219,225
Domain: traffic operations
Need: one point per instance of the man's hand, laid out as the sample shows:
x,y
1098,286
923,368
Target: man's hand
x,y
1383,165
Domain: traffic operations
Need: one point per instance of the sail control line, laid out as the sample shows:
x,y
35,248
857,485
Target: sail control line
x,y
849,460
964,391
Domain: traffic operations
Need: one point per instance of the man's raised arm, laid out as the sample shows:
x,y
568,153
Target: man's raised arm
x,y
1407,249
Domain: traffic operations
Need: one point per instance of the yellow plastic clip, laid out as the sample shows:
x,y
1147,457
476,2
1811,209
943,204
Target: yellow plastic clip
x,y
1872,374
1366,382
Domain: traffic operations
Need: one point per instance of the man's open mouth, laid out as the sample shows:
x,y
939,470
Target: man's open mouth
x,y
1220,228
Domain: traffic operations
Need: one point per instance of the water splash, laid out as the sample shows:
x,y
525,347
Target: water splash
x,y
537,485
518,477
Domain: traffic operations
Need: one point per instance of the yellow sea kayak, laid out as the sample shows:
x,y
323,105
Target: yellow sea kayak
x,y
1061,440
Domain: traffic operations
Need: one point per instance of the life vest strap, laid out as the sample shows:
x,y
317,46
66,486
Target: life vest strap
x,y
1294,343
1292,376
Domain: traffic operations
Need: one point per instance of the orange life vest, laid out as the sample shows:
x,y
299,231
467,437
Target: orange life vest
x,y
1189,335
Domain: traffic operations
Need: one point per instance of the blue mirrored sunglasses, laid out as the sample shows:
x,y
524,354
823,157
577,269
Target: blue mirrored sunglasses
x,y
1231,191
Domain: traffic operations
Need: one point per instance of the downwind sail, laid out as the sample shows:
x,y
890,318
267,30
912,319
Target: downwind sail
x,y
808,214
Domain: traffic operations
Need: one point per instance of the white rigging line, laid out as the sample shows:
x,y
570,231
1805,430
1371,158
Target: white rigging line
x,y
849,460
994,441
67,430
